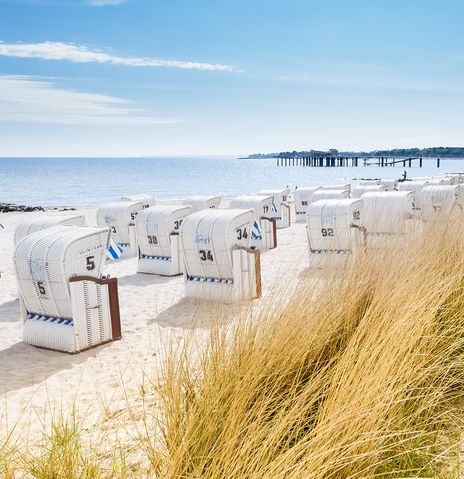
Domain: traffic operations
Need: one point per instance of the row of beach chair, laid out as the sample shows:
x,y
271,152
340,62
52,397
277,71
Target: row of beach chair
x,y
68,304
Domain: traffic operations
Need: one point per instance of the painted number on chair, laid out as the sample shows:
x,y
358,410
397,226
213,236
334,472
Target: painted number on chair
x,y
284,198
356,215
113,229
327,232
152,239
41,287
266,208
206,255
90,260
304,202
134,215
242,233
177,224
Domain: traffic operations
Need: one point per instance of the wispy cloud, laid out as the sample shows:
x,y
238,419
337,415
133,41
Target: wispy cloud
x,y
100,3
82,54
26,99
69,3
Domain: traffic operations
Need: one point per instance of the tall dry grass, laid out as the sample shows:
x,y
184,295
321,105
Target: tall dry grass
x,y
360,378
358,374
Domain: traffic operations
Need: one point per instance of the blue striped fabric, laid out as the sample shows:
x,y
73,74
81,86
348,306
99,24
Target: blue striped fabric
x,y
256,231
50,319
114,251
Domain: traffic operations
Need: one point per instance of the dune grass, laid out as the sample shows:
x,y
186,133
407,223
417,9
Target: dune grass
x,y
360,378
357,374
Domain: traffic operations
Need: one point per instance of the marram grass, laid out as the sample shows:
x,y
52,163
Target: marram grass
x,y
360,374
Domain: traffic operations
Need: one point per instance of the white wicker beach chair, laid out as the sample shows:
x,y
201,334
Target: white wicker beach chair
x,y
440,201
32,226
415,187
202,202
347,186
323,194
390,185
66,305
281,209
219,263
303,198
387,216
157,230
335,235
147,200
264,231
120,217
358,191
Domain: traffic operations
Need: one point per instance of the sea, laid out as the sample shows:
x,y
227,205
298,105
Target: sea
x,y
89,181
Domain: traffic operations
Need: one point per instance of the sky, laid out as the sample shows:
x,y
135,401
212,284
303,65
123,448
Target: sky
x,y
228,77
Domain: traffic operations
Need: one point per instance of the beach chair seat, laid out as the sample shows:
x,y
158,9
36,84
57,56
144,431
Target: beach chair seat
x,y
334,231
157,230
147,200
66,304
387,217
281,208
32,226
219,263
120,217
264,231
303,198
202,202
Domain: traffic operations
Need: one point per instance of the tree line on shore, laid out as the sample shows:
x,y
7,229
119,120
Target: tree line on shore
x,y
438,151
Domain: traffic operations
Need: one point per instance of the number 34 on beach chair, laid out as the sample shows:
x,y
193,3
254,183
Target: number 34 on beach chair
x,y
219,263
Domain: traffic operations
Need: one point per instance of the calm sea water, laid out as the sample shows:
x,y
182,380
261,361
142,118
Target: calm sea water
x,y
74,181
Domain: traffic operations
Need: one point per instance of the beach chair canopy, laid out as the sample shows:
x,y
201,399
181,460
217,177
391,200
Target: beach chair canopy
x,y
387,212
32,226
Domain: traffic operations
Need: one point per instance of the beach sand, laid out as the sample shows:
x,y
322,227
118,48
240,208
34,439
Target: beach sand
x,y
35,384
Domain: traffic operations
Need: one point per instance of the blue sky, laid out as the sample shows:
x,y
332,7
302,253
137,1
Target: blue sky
x,y
174,77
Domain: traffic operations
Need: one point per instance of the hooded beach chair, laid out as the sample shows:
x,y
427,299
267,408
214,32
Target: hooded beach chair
x,y
303,198
66,304
147,200
120,217
202,202
281,208
32,226
334,230
264,231
219,263
157,230
387,216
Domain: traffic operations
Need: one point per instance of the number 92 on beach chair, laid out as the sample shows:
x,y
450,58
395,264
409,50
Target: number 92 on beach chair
x,y
219,264
66,305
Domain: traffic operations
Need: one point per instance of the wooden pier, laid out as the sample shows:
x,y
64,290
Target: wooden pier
x,y
351,161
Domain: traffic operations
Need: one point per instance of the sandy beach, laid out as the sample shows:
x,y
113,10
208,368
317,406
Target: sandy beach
x,y
155,316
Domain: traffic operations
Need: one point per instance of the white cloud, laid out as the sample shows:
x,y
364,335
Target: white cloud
x,y
82,54
25,99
